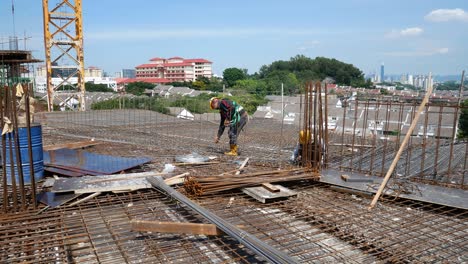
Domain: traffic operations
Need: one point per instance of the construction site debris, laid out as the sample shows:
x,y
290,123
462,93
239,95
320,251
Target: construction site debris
x,y
270,187
87,198
110,183
253,243
53,200
191,158
243,164
265,195
73,145
201,185
168,168
346,178
196,163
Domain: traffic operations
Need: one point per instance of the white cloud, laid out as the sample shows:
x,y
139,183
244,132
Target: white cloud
x,y
407,32
444,15
308,45
414,31
417,53
442,50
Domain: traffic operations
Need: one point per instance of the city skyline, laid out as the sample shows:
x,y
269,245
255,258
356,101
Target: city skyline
x,y
415,38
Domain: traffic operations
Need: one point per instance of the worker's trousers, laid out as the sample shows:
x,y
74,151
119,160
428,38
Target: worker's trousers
x,y
234,130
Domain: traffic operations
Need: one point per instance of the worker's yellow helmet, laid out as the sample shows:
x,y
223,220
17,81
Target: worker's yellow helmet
x,y
212,100
304,136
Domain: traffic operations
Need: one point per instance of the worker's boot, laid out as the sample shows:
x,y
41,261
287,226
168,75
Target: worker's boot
x,y
233,151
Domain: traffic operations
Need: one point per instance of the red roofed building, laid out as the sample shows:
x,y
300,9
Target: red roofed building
x,y
175,69
153,80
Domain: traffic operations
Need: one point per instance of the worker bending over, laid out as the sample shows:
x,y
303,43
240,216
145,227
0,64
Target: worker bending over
x,y
306,138
233,116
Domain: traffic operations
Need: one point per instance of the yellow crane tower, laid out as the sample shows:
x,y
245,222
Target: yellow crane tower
x,y
63,40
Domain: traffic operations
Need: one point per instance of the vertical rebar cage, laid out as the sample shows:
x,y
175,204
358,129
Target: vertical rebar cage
x,y
18,188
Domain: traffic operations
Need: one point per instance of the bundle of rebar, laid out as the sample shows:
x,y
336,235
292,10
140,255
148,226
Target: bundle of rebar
x,y
201,185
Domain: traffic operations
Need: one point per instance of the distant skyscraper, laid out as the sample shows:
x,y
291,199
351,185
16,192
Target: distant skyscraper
x,y
128,73
382,72
404,79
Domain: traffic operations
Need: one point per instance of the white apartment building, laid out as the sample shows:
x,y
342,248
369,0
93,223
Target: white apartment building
x,y
92,74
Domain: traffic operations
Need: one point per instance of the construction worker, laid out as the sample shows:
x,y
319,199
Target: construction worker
x,y
304,138
233,116
307,138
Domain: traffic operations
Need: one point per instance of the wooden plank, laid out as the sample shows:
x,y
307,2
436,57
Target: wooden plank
x,y
263,195
74,145
242,166
175,227
346,178
270,187
178,179
89,197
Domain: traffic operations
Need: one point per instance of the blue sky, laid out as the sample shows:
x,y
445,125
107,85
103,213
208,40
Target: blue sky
x,y
412,36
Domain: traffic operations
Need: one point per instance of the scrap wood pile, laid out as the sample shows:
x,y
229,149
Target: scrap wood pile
x,y
202,185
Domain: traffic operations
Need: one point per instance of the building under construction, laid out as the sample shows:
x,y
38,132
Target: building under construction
x,y
378,181
209,216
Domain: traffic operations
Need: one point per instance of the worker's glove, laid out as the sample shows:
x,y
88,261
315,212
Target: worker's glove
x,y
216,140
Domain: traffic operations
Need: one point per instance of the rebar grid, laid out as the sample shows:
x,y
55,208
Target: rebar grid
x,y
357,143
319,225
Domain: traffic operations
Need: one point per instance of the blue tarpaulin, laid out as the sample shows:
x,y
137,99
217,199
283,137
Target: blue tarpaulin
x,y
77,162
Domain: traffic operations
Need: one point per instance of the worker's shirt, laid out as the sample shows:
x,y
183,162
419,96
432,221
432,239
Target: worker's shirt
x,y
229,111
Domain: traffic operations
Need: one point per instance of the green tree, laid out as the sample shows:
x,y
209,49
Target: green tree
x,y
252,86
307,69
232,75
463,122
215,85
91,87
204,79
181,84
138,88
449,85
384,91
274,80
199,85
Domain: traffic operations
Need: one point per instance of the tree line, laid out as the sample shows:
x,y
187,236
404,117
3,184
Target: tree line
x,y
292,73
